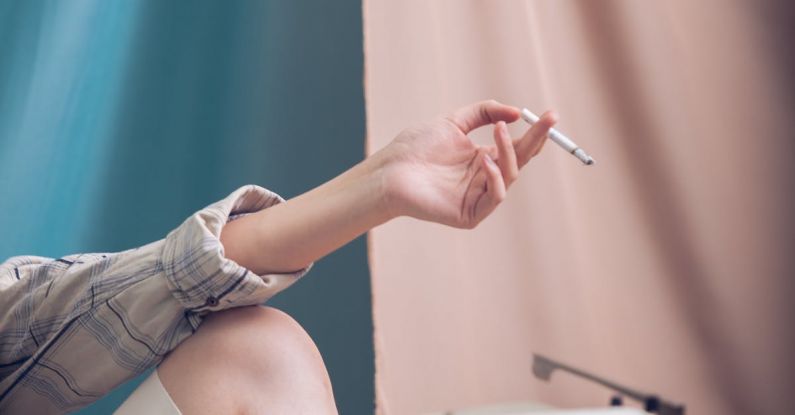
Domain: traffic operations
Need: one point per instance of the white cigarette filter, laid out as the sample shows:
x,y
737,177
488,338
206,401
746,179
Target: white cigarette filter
x,y
560,139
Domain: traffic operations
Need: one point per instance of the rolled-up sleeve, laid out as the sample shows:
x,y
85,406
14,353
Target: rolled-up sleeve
x,y
198,273
73,328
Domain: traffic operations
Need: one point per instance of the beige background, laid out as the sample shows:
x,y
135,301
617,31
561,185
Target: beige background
x,y
667,266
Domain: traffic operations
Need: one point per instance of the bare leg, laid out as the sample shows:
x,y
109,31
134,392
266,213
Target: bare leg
x,y
248,360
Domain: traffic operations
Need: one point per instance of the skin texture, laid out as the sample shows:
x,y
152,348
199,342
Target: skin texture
x,y
258,360
248,360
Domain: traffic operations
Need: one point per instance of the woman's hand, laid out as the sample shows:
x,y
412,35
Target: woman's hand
x,y
434,172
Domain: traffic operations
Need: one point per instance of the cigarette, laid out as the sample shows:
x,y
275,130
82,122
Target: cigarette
x,y
560,139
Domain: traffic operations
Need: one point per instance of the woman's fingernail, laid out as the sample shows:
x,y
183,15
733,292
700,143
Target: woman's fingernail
x,y
490,161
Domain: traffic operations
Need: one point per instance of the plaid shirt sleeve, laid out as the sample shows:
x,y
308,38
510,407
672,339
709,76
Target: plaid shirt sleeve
x,y
73,328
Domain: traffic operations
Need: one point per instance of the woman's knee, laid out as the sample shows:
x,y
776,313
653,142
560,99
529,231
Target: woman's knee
x,y
259,354
255,331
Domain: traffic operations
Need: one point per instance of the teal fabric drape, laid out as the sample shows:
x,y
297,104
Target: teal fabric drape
x,y
120,118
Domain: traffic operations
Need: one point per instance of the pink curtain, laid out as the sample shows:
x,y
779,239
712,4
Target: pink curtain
x,y
667,266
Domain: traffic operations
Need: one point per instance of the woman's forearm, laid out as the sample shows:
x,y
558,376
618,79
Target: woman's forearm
x,y
290,235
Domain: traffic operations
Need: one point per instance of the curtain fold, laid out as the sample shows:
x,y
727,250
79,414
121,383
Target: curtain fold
x,y
666,266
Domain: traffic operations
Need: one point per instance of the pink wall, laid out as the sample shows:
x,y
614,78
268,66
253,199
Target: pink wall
x,y
667,266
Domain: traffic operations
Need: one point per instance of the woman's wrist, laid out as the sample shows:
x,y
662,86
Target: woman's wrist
x,y
381,168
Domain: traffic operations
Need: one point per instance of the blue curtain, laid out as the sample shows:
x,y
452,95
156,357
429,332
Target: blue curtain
x,y
120,118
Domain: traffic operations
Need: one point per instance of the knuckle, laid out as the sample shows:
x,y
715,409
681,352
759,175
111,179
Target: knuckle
x,y
452,121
